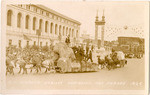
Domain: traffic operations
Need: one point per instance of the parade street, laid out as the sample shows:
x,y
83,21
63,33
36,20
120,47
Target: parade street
x,y
130,77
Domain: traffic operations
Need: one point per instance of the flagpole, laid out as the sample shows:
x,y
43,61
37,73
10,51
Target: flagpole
x,y
38,32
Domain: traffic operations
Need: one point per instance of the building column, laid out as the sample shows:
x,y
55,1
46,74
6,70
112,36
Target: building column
x,y
61,30
70,30
75,33
31,25
102,36
23,22
43,27
96,33
14,19
37,24
48,28
53,30
64,36
64,31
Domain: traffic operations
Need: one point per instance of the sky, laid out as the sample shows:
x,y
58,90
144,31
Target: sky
x,y
117,16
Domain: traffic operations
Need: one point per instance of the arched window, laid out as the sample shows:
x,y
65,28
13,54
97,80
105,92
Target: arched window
x,y
19,20
9,17
51,30
40,25
63,30
46,25
27,22
56,29
34,23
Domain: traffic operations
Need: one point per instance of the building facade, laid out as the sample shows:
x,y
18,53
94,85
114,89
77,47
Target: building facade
x,y
131,44
23,22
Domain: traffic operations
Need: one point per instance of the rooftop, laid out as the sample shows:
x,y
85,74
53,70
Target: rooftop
x,y
56,13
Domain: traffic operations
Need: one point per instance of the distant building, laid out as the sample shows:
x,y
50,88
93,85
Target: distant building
x,y
131,44
85,36
24,20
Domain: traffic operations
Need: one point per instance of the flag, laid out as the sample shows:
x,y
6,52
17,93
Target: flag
x,y
51,40
38,32
26,37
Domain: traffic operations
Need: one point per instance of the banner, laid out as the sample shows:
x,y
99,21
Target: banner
x,y
26,37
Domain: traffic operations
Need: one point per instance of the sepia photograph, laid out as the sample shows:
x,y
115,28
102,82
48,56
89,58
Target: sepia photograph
x,y
74,47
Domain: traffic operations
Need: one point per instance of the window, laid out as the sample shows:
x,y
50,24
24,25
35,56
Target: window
x,y
36,9
34,23
77,34
27,22
20,5
19,43
19,20
34,43
9,17
41,44
63,31
10,42
41,12
28,7
46,25
27,43
47,14
51,28
40,24
56,29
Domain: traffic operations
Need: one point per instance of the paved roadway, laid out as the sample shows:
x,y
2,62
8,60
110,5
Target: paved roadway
x,y
130,77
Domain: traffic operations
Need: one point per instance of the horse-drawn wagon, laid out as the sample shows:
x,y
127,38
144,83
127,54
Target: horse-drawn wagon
x,y
116,61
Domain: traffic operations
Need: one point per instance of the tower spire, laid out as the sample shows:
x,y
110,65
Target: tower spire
x,y
97,15
103,17
103,12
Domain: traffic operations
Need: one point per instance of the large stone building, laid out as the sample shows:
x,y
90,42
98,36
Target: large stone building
x,y
23,21
131,44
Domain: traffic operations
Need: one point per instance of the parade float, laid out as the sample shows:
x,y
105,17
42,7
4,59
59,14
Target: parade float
x,y
68,62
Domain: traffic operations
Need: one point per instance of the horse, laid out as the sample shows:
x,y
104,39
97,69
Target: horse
x,y
109,62
36,61
10,65
21,63
101,62
48,64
